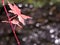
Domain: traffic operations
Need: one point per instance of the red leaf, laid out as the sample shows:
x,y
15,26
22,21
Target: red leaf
x,y
25,17
16,10
14,22
22,18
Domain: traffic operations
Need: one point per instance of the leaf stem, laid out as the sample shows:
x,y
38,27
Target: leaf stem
x,y
18,42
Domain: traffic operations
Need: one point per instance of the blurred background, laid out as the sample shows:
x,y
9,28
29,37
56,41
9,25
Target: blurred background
x,y
36,3
42,29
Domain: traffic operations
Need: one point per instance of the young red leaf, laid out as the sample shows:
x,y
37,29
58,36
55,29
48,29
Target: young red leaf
x,y
14,22
22,18
25,17
16,10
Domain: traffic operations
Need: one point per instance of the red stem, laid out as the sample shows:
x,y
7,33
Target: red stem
x,y
18,42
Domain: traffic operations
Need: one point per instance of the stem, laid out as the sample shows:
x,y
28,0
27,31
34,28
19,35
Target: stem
x,y
18,42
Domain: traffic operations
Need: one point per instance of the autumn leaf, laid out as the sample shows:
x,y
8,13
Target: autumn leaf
x,y
14,22
25,17
14,9
17,11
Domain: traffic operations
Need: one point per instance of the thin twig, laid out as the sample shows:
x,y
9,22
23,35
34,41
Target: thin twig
x,y
18,42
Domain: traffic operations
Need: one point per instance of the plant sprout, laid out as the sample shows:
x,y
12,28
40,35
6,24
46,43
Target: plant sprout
x,y
17,12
